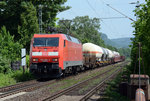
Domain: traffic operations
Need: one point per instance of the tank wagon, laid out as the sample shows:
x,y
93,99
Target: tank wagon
x,y
52,55
92,55
117,57
105,56
110,57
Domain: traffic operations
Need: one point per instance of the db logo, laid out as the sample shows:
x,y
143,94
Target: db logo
x,y
44,53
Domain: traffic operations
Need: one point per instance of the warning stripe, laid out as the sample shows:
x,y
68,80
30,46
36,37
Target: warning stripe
x,y
23,57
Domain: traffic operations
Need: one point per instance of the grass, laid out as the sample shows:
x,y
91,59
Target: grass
x,y
112,91
96,81
14,77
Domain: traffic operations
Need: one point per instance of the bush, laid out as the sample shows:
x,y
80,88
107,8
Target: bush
x,y
19,76
14,77
27,60
6,79
8,48
4,65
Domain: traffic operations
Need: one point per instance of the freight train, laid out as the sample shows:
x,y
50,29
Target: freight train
x,y
54,55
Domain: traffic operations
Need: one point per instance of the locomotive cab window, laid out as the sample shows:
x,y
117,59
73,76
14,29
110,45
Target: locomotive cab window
x,y
46,42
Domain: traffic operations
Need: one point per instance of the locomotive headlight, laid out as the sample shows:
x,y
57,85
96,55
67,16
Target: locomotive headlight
x,y
35,60
55,60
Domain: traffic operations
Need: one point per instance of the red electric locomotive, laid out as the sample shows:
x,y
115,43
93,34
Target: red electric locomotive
x,y
54,54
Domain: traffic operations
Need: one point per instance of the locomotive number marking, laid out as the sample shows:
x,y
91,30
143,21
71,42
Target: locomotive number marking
x,y
44,53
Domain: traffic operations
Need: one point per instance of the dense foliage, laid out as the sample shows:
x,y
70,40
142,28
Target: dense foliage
x,y
21,17
4,64
8,47
142,34
125,52
9,50
29,24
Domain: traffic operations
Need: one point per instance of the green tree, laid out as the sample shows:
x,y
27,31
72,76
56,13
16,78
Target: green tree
x,y
50,8
29,24
84,28
9,48
4,64
142,34
20,16
111,48
125,52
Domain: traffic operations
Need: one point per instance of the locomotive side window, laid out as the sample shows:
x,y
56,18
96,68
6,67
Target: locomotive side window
x,y
64,43
52,42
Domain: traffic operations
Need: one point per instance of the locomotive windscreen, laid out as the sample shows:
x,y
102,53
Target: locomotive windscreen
x,y
52,42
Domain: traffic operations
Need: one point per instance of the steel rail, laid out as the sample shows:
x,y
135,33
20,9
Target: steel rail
x,y
26,88
4,89
100,85
64,91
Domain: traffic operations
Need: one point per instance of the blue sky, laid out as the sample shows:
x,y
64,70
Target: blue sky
x,y
114,28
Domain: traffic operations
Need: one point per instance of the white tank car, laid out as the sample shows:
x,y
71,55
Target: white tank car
x,y
111,55
90,49
116,54
107,53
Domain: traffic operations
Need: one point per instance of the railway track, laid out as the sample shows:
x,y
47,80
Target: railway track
x,y
99,86
23,87
7,88
33,85
69,89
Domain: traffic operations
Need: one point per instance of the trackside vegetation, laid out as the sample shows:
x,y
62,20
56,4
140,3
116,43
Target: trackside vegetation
x,y
14,77
112,91
142,35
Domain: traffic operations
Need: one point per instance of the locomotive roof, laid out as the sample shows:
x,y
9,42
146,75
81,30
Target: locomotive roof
x,y
64,36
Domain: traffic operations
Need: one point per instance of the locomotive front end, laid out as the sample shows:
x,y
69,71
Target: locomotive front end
x,y
44,56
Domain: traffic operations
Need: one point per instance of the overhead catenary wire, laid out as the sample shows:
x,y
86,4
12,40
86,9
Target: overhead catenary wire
x,y
97,14
113,17
94,10
116,10
120,12
108,27
113,28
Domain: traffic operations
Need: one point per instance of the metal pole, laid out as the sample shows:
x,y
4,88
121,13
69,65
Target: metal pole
x,y
139,66
137,6
40,19
68,27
